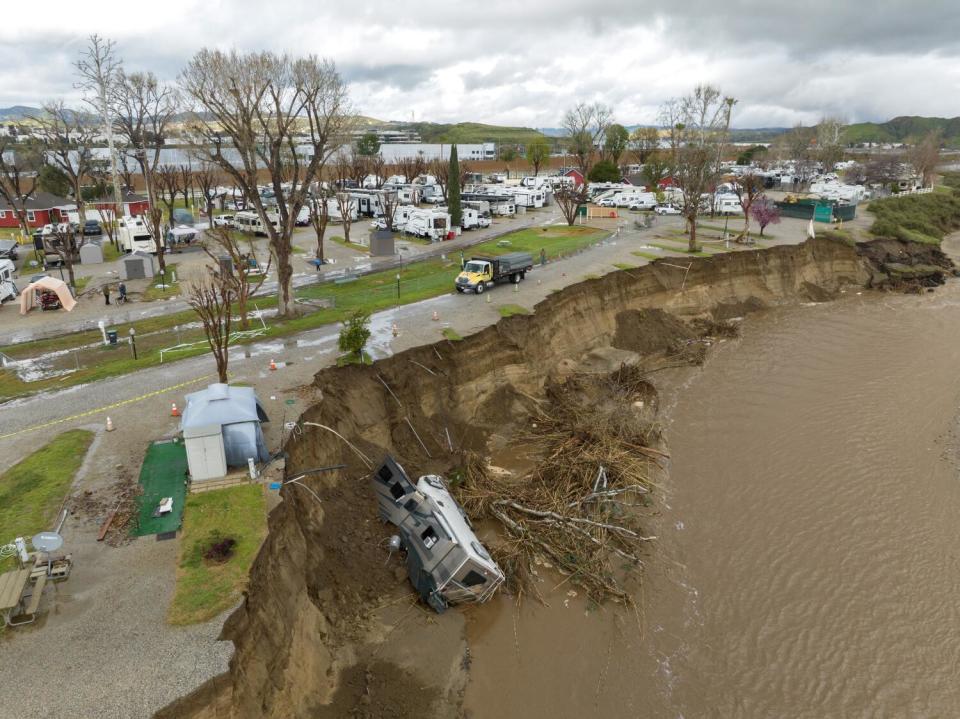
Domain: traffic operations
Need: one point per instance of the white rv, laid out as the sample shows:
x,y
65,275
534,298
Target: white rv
x,y
333,208
133,235
528,198
727,205
433,224
249,221
8,289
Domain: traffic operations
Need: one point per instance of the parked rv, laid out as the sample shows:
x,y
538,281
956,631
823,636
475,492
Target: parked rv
x,y
445,560
8,288
223,221
433,224
249,221
133,235
482,272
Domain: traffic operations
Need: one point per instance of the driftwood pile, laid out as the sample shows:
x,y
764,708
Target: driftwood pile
x,y
580,509
113,508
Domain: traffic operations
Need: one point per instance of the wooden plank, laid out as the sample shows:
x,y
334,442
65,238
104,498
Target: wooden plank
x,y
35,597
11,587
105,527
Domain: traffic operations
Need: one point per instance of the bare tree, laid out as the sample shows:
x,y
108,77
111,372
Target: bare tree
x,y
570,199
643,141
884,170
345,208
263,106
359,167
20,165
320,218
207,179
187,182
167,186
66,243
411,167
377,166
705,115
585,125
391,201
749,189
925,156
440,169
829,142
211,297
67,138
247,276
99,69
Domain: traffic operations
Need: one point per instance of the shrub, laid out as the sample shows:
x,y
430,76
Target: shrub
x,y
917,218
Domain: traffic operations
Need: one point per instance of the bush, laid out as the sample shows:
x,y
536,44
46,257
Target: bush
x,y
918,218
604,171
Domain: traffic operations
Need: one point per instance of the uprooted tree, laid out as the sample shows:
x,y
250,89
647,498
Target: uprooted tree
x,y
354,335
252,112
211,296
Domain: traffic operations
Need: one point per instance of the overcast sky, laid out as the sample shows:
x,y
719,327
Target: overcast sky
x,y
525,62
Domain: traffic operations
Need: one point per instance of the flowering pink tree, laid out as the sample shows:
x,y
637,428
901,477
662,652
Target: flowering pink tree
x,y
765,212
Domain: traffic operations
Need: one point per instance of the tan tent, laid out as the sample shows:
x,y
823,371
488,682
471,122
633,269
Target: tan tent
x,y
28,297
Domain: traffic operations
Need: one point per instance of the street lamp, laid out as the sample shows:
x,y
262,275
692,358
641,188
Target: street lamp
x,y
133,342
398,289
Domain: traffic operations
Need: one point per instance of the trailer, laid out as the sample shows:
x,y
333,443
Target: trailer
x,y
445,561
482,272
249,221
8,288
133,235
433,224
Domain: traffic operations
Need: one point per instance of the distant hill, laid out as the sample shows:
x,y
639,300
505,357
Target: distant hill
x,y
17,112
472,132
908,128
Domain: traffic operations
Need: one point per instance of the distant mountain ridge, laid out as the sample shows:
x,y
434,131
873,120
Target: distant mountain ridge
x,y
906,128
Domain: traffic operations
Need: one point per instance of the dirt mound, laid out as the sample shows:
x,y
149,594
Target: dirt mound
x,y
649,331
315,635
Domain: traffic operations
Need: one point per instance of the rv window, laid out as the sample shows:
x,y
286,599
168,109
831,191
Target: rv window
x,y
396,489
473,578
385,473
429,537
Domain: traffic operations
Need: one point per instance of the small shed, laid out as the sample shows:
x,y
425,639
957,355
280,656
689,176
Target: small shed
x,y
233,413
137,266
91,254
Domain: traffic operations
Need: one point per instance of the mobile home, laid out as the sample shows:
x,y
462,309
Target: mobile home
x,y
249,221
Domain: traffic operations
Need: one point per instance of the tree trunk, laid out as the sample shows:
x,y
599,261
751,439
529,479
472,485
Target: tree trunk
x,y
285,306
692,247
222,358
210,213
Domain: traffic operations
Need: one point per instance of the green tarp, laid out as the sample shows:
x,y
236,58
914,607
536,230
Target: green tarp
x,y
163,474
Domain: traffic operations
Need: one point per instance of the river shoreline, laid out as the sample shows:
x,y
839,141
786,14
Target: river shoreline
x,y
307,627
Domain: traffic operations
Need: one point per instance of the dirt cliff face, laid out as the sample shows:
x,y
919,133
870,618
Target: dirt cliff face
x,y
329,628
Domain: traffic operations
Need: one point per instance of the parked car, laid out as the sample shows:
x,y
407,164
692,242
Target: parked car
x,y
667,210
92,227
8,250
223,221
607,202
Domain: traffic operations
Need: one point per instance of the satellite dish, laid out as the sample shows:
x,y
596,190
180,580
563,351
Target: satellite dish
x,y
47,542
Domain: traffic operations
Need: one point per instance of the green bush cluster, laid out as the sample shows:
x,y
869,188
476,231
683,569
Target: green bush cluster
x,y
916,218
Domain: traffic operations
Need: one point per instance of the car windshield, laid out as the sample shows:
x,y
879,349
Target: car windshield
x,y
475,267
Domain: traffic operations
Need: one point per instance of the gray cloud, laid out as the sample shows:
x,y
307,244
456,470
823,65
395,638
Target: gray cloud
x,y
525,63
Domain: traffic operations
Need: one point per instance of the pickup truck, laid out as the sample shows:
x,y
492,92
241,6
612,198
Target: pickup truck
x,y
482,272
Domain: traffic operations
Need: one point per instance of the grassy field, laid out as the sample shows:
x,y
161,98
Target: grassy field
x,y
163,286
451,334
32,490
352,245
205,588
372,292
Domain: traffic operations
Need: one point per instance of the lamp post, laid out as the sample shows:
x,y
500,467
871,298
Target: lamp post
x,y
133,342
398,289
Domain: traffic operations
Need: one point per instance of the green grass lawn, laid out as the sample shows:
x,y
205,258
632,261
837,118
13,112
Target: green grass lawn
x,y
451,334
511,310
683,250
624,265
419,280
204,588
171,288
32,490
646,255
351,245
80,283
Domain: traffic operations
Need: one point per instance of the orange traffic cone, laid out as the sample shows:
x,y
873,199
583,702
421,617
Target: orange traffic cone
x,y
435,316
273,365
174,412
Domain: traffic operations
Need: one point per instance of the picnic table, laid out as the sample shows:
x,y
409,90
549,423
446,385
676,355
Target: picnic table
x,y
12,585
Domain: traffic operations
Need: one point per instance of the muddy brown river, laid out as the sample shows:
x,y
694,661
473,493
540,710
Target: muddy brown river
x,y
809,557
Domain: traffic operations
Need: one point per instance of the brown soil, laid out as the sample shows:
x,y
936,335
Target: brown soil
x,y
323,631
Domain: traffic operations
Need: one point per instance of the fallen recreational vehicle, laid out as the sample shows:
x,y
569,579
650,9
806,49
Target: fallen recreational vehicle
x,y
445,560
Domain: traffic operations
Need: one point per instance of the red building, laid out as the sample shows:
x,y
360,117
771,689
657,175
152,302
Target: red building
x,y
578,179
42,209
133,204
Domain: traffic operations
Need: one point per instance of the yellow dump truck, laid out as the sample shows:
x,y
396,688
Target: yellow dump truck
x,y
482,272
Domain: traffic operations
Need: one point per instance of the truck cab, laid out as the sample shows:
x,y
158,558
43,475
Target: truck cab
x,y
476,274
